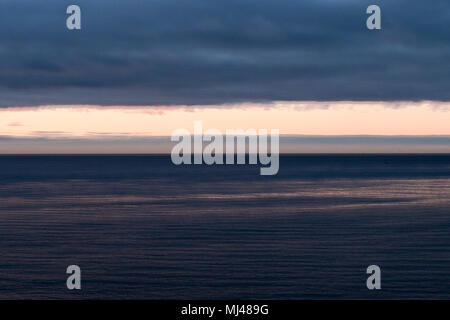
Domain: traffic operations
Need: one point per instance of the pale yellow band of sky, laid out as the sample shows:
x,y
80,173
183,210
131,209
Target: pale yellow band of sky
x,y
306,118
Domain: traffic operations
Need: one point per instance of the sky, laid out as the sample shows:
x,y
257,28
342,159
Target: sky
x,y
137,70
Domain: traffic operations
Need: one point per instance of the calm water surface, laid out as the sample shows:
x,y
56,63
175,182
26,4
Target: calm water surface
x,y
140,227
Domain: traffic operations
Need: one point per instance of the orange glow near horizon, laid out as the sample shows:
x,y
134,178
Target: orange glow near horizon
x,y
306,118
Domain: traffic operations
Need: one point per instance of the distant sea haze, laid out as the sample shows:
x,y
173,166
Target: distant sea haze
x,y
140,227
302,144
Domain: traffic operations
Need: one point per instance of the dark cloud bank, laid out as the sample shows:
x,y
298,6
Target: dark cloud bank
x,y
132,52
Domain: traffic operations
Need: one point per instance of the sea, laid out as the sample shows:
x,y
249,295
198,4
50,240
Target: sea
x,y
140,227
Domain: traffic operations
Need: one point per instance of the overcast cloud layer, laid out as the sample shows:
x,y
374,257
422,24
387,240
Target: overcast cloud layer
x,y
133,52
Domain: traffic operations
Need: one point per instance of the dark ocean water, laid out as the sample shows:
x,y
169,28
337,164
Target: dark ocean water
x,y
140,227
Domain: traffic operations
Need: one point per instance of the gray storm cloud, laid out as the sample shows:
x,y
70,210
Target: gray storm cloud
x,y
215,52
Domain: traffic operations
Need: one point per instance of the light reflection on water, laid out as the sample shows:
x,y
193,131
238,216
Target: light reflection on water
x,y
224,234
